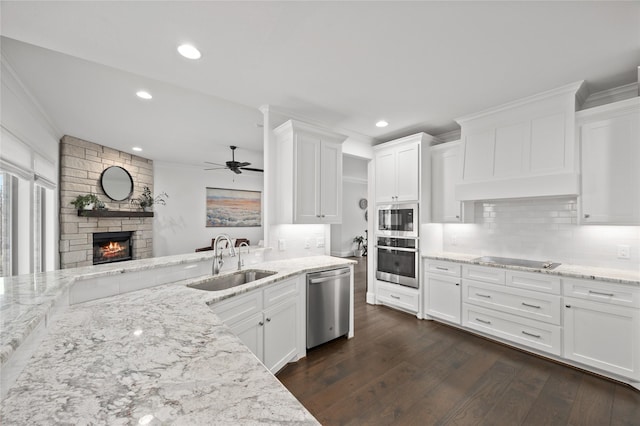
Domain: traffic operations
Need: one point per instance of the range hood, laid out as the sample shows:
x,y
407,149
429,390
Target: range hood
x,y
522,149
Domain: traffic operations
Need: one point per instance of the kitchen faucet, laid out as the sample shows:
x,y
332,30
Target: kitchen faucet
x,y
217,261
240,261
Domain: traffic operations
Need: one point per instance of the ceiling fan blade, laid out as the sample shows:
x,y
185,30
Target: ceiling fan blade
x,y
251,169
217,168
215,164
236,171
245,164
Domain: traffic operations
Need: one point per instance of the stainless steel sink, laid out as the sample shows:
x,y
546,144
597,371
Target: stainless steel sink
x,y
235,279
534,264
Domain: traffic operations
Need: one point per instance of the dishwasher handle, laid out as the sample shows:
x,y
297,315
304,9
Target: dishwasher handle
x,y
321,278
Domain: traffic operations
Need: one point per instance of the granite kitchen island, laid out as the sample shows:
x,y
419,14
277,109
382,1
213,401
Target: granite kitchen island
x,y
153,356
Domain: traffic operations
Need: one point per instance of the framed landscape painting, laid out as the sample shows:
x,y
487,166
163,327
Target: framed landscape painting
x,y
233,208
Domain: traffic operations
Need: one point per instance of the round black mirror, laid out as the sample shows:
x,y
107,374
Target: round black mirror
x,y
117,183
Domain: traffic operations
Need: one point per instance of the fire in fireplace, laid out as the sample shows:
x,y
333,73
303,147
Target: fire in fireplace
x,y
112,247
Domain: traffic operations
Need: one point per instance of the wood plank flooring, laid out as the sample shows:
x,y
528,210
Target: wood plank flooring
x,y
404,371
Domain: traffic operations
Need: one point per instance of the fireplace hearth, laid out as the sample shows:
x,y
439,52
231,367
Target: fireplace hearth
x,y
111,247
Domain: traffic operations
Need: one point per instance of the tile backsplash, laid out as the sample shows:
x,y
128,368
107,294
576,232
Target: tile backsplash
x,y
542,229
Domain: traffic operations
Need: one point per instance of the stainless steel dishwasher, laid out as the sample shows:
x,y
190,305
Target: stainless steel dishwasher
x,y
328,299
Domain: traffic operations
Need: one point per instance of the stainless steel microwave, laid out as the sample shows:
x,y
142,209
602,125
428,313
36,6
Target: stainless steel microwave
x,y
397,220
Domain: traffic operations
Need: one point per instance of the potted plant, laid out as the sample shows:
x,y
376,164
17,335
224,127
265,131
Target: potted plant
x,y
360,240
146,200
86,202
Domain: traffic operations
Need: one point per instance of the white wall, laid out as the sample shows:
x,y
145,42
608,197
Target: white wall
x,y
354,188
542,229
180,225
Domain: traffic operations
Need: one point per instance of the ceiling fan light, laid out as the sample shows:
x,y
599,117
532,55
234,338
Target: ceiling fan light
x,y
189,51
382,123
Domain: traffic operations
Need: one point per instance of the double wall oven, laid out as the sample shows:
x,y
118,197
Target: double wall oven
x,y
397,250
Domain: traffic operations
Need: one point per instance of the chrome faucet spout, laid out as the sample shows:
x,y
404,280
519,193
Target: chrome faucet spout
x,y
240,261
217,258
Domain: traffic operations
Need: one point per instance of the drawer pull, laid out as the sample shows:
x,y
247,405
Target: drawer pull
x,y
601,294
394,296
530,306
483,321
483,295
441,268
537,336
261,323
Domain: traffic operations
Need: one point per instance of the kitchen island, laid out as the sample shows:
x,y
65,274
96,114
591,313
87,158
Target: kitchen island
x,y
152,356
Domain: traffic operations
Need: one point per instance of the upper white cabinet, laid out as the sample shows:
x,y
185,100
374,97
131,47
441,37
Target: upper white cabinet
x,y
525,148
310,173
610,155
397,173
446,171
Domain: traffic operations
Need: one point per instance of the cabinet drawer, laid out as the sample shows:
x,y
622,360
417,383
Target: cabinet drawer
x,y
239,307
598,291
279,292
443,268
482,273
395,295
534,334
528,304
536,282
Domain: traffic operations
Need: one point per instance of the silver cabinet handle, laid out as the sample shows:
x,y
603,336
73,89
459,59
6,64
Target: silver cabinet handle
x,y
321,215
317,215
537,336
457,283
441,268
601,294
394,296
483,295
268,319
587,216
457,217
261,323
483,321
531,306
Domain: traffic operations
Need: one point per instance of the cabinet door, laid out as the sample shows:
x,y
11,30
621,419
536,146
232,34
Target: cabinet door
x,y
610,172
407,172
251,332
386,176
280,334
446,169
331,183
307,178
603,336
443,298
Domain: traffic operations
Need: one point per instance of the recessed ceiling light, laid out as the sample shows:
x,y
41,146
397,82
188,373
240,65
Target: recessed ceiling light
x,y
137,148
143,94
382,123
189,52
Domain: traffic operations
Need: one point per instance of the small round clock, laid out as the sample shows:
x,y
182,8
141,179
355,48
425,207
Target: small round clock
x,y
363,203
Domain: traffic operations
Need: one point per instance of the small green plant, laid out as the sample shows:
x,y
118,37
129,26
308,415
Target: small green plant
x,y
81,202
360,240
146,200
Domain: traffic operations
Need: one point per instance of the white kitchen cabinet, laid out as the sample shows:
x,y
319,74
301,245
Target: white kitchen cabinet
x,y
610,154
446,171
268,321
442,298
398,296
521,149
397,173
309,173
601,335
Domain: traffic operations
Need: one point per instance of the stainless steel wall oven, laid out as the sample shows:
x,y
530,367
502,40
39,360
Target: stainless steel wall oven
x,y
397,260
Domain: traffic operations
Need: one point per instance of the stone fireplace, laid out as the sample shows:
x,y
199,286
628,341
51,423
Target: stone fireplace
x,y
81,163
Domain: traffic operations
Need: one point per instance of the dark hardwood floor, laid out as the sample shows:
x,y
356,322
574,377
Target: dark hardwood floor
x,y
404,371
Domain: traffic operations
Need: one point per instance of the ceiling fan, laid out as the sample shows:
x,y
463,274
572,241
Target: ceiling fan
x,y
233,165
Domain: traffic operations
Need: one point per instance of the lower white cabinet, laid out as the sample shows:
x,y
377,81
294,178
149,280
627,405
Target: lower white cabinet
x,y
397,296
268,321
442,299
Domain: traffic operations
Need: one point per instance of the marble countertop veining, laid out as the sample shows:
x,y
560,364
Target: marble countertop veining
x,y
618,276
157,352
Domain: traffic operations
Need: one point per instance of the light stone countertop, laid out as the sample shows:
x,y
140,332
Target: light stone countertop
x,y
618,276
157,352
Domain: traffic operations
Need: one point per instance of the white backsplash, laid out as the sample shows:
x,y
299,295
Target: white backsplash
x,y
542,229
299,241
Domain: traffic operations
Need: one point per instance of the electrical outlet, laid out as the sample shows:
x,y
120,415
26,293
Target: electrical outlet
x,y
454,240
282,245
307,243
623,251
320,242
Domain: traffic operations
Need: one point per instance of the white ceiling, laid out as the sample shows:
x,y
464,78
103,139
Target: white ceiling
x,y
418,65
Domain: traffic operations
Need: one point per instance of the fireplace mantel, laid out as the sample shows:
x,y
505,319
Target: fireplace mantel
x,y
113,213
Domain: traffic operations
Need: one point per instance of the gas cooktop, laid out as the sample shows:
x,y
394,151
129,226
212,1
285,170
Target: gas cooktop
x,y
534,264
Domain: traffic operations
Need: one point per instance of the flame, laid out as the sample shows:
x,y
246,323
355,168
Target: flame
x,y
112,249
